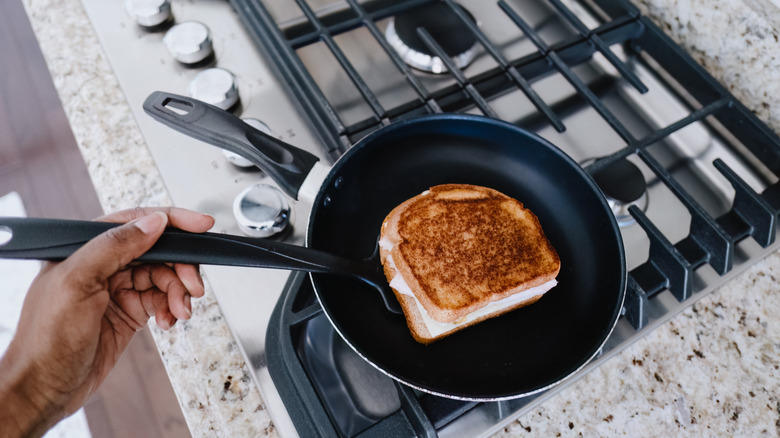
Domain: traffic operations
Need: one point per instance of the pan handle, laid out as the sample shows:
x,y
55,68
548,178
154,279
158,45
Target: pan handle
x,y
286,164
56,239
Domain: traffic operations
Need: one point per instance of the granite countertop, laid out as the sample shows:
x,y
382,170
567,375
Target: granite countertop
x,y
711,370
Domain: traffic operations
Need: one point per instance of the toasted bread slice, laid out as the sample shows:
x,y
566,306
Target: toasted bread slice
x,y
458,254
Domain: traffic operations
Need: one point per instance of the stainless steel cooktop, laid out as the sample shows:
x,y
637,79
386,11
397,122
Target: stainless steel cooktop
x,y
199,176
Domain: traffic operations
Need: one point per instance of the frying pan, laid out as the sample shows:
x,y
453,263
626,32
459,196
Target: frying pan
x,y
516,354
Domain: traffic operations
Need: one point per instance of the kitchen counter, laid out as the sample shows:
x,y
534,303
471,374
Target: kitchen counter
x,y
712,370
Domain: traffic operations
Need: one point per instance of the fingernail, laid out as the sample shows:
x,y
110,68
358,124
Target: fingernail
x,y
188,305
163,324
151,223
188,284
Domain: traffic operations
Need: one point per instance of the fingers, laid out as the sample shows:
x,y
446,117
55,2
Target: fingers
x,y
186,220
90,267
190,276
165,290
164,281
182,282
155,303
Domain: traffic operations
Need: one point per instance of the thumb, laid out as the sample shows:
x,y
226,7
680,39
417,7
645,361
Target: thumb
x,y
100,258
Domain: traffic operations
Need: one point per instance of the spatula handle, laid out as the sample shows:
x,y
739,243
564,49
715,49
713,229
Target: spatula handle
x,y
56,239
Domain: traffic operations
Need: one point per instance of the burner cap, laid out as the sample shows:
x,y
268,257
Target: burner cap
x,y
443,25
623,185
621,181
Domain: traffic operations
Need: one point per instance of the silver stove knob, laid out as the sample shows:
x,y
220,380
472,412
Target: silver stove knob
x,y
216,86
261,211
238,160
149,13
189,42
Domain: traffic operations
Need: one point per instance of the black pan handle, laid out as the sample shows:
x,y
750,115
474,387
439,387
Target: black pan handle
x,y
56,239
286,164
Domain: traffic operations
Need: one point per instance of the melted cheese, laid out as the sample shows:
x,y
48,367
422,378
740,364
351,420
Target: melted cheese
x,y
436,328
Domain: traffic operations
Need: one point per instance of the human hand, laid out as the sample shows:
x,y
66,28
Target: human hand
x,y
80,314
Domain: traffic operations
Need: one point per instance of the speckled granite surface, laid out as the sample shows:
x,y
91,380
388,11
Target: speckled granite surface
x,y
117,159
738,43
711,371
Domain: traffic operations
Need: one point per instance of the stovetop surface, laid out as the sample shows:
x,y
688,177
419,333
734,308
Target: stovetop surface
x,y
672,133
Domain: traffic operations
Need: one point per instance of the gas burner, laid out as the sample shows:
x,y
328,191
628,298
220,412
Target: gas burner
x,y
623,185
443,25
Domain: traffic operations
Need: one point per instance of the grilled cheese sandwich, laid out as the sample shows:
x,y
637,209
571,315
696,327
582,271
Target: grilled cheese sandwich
x,y
458,254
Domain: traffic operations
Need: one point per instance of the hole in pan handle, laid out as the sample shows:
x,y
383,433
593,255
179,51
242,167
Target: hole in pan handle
x,y
286,164
56,239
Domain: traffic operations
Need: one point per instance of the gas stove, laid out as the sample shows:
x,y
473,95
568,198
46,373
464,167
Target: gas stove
x,y
690,173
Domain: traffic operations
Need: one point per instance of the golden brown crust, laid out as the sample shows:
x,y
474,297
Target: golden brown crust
x,y
460,247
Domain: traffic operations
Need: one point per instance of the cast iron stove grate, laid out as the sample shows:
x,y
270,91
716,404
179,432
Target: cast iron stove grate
x,y
623,39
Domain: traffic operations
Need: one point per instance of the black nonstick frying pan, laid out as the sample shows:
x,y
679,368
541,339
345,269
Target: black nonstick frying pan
x,y
516,354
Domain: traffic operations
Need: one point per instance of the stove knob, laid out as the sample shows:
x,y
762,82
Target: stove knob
x,y
238,160
216,86
261,211
189,42
149,13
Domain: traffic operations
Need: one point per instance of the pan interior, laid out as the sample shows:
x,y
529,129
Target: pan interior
x,y
515,354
